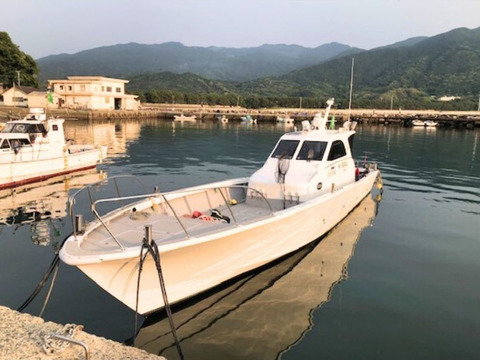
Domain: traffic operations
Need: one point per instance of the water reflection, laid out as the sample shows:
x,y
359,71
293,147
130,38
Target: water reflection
x,y
37,205
264,314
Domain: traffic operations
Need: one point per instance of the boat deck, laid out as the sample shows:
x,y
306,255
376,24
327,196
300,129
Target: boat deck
x,y
130,228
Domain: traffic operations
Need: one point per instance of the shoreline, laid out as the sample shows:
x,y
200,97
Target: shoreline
x,y
22,337
167,112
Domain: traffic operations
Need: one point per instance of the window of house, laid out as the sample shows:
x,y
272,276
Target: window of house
x,y
61,87
109,89
119,90
69,87
103,88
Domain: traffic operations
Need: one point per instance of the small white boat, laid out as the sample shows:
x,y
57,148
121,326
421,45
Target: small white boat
x,y
223,119
209,234
184,118
287,120
431,123
34,149
248,120
417,122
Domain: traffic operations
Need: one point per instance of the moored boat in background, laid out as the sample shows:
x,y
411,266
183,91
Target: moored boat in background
x,y
34,149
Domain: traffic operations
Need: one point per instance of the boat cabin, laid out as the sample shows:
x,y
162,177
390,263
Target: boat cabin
x,y
32,131
305,164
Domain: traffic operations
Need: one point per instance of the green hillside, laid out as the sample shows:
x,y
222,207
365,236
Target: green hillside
x,y
127,60
12,59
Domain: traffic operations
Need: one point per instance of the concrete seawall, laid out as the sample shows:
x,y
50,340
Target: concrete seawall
x,y
22,336
209,113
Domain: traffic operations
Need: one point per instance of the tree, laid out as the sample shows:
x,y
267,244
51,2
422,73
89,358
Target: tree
x,y
13,60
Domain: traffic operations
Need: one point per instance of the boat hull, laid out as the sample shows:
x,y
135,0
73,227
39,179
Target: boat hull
x,y
16,173
203,264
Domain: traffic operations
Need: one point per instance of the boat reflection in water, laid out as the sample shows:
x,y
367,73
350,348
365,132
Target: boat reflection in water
x,y
263,314
40,203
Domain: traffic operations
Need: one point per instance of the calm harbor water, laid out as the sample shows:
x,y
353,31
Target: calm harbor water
x,y
397,279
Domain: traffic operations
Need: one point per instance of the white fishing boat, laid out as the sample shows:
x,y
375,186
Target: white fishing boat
x,y
209,234
184,118
34,149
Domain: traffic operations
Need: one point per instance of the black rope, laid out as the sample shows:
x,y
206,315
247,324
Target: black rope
x,y
152,249
53,265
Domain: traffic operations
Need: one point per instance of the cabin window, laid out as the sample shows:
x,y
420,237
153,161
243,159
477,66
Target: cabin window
x,y
55,127
7,128
337,150
312,150
36,128
285,149
350,141
5,144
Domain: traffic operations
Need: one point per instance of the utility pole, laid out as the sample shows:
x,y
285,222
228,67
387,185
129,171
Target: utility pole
x,y
18,77
300,102
391,103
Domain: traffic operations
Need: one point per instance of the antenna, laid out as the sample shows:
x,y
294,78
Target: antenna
x,y
351,90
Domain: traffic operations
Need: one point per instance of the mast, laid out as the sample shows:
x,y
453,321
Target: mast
x,y
351,90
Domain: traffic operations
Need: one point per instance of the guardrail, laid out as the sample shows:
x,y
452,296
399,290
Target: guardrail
x,y
77,220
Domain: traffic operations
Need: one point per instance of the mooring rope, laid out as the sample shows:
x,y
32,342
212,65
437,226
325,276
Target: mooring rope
x,y
50,270
152,249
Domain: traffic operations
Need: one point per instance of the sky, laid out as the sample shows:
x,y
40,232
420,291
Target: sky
x,y
42,28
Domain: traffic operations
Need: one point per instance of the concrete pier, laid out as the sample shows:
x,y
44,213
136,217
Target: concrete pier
x,y
22,336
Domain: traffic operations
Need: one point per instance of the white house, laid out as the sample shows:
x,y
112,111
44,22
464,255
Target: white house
x,y
93,92
17,95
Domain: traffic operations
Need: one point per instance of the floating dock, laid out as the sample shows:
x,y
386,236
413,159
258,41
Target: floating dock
x,y
23,336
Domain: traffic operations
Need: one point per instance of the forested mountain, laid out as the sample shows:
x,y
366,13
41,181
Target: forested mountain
x,y
446,64
12,59
127,60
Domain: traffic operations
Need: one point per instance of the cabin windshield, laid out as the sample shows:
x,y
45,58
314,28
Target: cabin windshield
x,y
285,149
312,150
24,128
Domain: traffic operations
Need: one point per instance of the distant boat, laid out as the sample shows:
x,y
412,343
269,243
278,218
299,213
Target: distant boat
x,y
182,118
223,119
418,122
287,120
430,123
248,120
35,149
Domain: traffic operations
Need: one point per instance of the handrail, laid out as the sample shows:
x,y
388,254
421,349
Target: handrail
x,y
71,199
95,203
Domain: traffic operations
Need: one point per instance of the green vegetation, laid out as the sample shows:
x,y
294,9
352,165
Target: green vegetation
x,y
412,74
13,60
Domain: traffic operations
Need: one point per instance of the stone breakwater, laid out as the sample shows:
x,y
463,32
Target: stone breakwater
x,y
22,336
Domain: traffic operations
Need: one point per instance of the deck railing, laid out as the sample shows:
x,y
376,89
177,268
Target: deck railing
x,y
157,197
